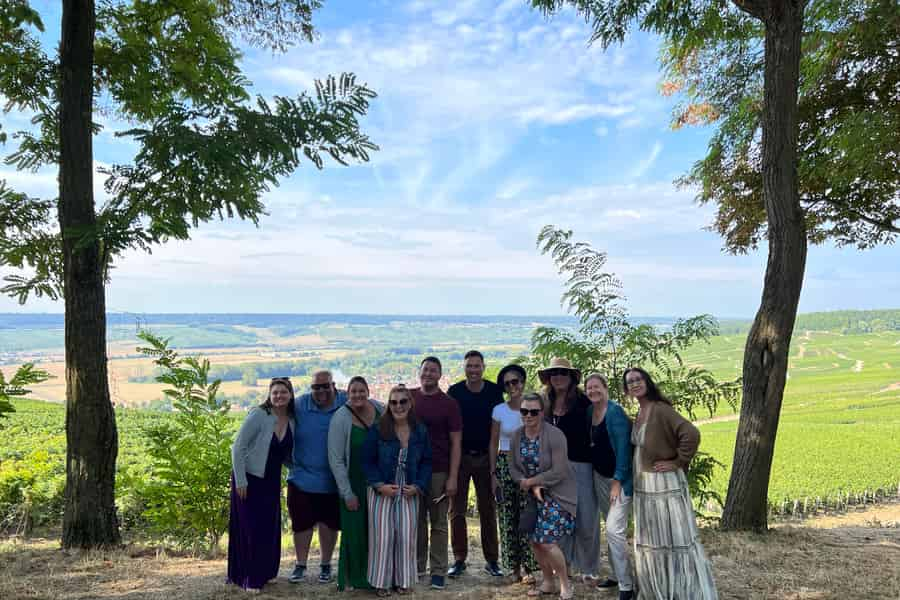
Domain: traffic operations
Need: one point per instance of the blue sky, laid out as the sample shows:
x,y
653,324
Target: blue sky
x,y
493,121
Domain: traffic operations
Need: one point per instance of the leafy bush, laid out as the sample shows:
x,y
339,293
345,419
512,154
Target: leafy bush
x,y
32,492
607,342
187,495
15,387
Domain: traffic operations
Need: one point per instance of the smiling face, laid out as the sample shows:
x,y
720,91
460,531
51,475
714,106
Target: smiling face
x,y
400,402
474,367
323,392
635,384
279,395
532,411
513,384
596,390
358,394
429,375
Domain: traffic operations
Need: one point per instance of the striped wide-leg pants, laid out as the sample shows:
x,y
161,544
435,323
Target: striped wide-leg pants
x,y
392,540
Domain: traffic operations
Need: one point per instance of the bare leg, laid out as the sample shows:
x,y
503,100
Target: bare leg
x,y
327,540
302,539
546,568
553,556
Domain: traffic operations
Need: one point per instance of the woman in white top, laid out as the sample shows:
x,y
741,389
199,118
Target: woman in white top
x,y
516,553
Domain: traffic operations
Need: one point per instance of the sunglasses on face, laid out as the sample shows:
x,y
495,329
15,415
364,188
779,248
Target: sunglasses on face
x,y
318,387
530,412
512,382
400,402
281,379
557,372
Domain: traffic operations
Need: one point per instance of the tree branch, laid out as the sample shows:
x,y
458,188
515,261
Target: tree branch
x,y
754,8
883,224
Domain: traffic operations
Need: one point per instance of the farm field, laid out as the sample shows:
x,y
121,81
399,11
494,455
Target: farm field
x,y
840,422
839,429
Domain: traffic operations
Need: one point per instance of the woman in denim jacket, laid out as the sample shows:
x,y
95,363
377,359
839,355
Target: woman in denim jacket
x,y
397,465
611,454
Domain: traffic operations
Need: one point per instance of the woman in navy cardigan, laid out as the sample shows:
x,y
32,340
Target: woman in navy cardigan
x,y
397,465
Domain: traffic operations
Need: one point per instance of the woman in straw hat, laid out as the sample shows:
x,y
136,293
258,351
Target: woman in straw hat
x,y
566,409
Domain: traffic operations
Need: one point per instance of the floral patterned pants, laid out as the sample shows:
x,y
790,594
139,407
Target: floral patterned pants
x,y
515,551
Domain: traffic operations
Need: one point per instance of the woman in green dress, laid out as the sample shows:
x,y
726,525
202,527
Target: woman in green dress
x,y
347,432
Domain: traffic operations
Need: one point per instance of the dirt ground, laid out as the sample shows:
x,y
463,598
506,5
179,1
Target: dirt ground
x,y
841,557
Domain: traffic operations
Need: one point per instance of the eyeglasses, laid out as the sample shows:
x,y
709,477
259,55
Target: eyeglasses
x,y
556,372
530,412
318,387
512,382
401,402
634,382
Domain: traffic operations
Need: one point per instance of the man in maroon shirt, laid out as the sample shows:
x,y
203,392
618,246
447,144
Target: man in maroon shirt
x,y
441,416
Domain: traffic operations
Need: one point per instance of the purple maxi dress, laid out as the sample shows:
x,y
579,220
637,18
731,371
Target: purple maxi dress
x,y
254,527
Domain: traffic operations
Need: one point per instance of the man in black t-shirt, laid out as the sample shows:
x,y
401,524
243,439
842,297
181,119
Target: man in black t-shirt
x,y
477,399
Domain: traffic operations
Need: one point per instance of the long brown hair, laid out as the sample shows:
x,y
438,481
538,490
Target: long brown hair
x,y
572,395
386,426
283,381
653,393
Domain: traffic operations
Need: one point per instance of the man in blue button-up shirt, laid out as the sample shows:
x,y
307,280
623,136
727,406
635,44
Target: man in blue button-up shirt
x,y
312,493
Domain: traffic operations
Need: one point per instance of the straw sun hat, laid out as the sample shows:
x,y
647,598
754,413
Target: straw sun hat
x,y
559,364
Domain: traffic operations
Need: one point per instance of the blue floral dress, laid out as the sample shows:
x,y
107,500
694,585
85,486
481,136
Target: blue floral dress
x,y
552,521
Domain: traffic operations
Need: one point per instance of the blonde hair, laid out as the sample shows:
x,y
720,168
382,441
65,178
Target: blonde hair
x,y
602,379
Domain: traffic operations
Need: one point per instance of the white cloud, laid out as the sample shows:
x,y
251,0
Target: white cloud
x,y
577,112
642,167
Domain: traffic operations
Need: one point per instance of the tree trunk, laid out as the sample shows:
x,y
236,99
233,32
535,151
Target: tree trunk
x,y
90,519
768,343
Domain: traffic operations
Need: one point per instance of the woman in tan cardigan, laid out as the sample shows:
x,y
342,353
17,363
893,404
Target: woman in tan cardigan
x,y
669,559
540,466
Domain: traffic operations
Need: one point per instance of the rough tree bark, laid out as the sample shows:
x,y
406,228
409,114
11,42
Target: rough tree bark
x,y
90,519
768,343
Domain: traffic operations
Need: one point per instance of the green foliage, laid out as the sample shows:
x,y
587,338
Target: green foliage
x,y
186,496
849,108
607,342
701,474
15,387
207,149
849,111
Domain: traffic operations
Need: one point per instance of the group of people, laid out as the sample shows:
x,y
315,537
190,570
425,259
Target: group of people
x,y
391,477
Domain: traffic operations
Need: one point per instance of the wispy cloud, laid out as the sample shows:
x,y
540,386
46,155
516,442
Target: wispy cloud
x,y
642,167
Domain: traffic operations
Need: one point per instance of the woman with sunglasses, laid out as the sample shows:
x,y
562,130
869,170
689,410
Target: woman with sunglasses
x,y
540,467
669,559
397,464
346,435
263,443
516,551
566,409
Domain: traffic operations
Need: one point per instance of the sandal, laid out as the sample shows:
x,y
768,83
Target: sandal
x,y
382,592
404,591
536,592
528,578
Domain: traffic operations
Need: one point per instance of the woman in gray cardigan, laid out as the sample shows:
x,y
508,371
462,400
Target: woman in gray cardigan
x,y
540,465
263,443
346,434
